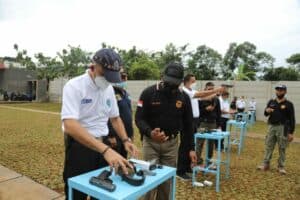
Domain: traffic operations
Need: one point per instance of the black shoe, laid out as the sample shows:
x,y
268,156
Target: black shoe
x,y
184,177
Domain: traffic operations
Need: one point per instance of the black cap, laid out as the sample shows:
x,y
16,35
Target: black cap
x,y
173,73
280,87
111,63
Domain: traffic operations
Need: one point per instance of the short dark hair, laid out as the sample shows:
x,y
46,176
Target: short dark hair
x,y
225,94
209,84
187,78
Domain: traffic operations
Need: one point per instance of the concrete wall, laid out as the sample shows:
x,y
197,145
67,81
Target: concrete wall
x,y
14,80
263,91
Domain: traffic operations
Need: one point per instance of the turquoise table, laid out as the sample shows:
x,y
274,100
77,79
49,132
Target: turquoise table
x,y
237,130
123,189
218,136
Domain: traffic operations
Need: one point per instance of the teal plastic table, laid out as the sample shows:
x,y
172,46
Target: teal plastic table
x,y
206,169
237,130
123,189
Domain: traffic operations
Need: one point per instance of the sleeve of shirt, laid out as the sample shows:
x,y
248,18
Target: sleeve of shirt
x,y
292,120
188,137
265,112
218,113
70,103
141,114
190,93
114,112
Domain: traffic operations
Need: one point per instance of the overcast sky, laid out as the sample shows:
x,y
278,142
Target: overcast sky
x,y
50,25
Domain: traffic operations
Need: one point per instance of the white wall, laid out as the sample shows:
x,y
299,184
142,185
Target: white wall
x,y
263,91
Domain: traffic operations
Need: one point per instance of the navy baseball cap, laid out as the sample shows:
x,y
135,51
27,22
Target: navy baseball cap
x,y
173,73
280,87
111,63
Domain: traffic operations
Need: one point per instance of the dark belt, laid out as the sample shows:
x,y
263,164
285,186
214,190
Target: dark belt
x,y
209,120
277,124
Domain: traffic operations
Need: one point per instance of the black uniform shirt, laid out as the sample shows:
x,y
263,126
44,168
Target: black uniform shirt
x,y
283,114
172,114
210,116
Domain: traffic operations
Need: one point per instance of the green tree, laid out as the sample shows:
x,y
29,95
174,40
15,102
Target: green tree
x,y
24,59
247,55
48,68
171,53
294,60
144,69
204,63
241,74
281,74
131,56
74,61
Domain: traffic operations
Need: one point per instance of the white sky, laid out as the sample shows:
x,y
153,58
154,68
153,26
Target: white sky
x,y
49,26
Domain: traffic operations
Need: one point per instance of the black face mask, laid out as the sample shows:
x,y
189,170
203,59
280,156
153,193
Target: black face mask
x,y
281,96
170,89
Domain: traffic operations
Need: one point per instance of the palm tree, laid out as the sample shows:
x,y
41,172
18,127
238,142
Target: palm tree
x,y
242,75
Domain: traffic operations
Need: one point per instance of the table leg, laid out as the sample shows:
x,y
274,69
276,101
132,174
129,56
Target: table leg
x,y
70,193
173,187
228,158
206,163
218,166
241,141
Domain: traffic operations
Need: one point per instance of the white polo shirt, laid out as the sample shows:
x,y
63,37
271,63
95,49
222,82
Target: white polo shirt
x,y
225,106
92,107
194,101
240,104
252,105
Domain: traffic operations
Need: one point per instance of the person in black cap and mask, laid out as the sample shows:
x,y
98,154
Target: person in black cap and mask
x,y
164,111
281,128
88,103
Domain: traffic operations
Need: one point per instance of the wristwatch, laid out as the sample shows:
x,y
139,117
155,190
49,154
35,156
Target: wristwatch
x,y
126,140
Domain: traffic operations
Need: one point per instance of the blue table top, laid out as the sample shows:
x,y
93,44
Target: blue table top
x,y
212,135
123,189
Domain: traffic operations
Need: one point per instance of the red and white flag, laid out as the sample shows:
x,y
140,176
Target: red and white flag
x,y
140,103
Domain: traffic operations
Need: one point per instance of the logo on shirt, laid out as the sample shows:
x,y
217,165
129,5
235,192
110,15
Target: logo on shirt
x,y
86,101
178,104
283,107
108,102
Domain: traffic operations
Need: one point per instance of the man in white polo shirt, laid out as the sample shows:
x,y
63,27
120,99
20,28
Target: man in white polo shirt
x,y
189,87
87,105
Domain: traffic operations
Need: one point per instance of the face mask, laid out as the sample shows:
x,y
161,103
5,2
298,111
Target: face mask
x,y
281,96
101,82
170,89
121,85
193,86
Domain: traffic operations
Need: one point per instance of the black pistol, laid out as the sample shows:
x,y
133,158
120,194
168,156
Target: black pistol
x,y
103,181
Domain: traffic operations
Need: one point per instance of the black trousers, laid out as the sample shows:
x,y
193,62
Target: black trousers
x,y
78,160
184,162
223,122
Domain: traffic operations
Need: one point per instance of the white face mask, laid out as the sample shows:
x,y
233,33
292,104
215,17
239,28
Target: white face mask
x,y
101,82
193,86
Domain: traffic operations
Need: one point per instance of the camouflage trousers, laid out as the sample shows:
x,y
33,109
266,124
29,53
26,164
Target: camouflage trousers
x,y
275,135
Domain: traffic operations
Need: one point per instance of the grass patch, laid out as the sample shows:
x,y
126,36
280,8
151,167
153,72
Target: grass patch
x,y
32,144
53,107
261,127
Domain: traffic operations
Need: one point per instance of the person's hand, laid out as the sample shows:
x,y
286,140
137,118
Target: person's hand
x,y
112,141
209,108
193,158
131,148
269,110
115,161
158,136
290,137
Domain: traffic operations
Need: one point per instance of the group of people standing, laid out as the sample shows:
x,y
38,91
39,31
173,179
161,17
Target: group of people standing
x,y
97,120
